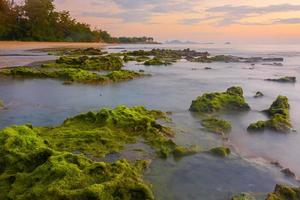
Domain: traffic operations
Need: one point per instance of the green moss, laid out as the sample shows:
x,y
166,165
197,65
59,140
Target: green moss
x,y
70,75
284,192
60,162
87,51
156,61
286,79
217,126
220,151
31,170
231,100
243,196
279,117
88,63
1,104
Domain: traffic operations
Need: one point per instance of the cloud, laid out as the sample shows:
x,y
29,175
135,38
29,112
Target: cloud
x,y
287,21
234,14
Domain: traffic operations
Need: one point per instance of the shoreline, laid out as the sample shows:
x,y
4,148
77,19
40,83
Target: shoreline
x,y
9,45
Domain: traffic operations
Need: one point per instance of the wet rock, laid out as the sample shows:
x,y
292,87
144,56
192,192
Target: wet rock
x,y
156,61
220,151
258,94
279,118
286,79
287,172
207,68
284,192
217,126
243,196
1,104
231,100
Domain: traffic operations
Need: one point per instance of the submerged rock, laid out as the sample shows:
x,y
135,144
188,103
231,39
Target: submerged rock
x,y
284,192
279,117
243,196
217,126
286,79
231,100
258,94
220,151
1,104
287,172
156,61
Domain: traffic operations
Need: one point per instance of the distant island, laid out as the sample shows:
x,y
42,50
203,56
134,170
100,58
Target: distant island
x,y
39,21
184,42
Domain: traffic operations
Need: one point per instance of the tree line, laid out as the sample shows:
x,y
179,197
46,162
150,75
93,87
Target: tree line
x,y
37,20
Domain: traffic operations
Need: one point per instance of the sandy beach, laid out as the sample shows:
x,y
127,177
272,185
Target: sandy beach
x,y
9,45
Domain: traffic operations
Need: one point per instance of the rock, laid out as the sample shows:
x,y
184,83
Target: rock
x,y
258,94
207,68
286,79
220,151
287,172
231,100
217,126
243,196
284,192
156,61
1,104
279,118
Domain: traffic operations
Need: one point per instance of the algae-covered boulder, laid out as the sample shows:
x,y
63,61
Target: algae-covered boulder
x,y
220,151
156,61
279,117
286,79
243,196
30,169
108,62
231,100
216,125
70,75
1,104
62,162
284,192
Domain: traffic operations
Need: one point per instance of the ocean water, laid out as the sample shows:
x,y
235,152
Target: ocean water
x,y
172,88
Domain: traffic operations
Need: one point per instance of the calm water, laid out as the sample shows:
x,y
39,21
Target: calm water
x,y
172,88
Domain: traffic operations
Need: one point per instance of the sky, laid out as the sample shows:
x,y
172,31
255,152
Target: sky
x,y
240,21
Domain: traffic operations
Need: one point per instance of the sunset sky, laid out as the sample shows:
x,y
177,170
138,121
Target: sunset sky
x,y
240,21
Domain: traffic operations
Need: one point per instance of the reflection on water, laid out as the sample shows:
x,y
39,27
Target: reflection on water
x,y
172,88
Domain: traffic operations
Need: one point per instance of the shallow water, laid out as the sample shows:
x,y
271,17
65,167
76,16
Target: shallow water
x,y
172,88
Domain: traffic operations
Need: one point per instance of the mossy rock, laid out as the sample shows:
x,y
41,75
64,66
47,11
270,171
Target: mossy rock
x,y
98,63
156,61
284,192
1,104
31,170
243,196
231,100
279,118
286,79
220,151
216,125
61,162
70,75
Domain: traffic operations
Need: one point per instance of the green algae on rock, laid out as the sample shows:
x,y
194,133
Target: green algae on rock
x,y
243,196
1,104
286,79
231,100
284,192
30,169
279,117
98,63
215,125
71,75
156,61
220,151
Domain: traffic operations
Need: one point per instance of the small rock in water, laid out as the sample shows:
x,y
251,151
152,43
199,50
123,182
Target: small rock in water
x,y
287,172
207,68
258,94
276,164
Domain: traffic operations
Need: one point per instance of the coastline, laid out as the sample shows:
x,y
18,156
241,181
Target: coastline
x,y
8,45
